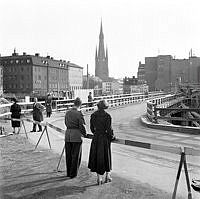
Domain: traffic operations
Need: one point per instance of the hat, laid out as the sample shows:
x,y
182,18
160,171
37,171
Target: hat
x,y
14,99
102,104
77,102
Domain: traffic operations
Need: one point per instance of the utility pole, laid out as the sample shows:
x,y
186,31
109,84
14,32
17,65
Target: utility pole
x,y
87,78
47,78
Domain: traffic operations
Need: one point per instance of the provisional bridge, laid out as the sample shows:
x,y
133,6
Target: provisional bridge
x,y
154,167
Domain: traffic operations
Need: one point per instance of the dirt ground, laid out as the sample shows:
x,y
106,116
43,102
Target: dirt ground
x,y
29,174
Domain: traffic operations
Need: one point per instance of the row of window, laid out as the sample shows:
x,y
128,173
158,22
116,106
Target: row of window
x,y
16,77
52,78
16,61
75,87
60,64
27,86
16,86
16,69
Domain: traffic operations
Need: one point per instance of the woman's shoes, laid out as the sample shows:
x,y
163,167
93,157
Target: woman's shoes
x,y
99,181
108,179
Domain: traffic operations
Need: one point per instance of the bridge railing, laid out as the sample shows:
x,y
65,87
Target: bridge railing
x,y
63,105
161,103
113,100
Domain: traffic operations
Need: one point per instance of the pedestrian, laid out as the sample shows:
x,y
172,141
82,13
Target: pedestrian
x,y
90,104
100,150
15,110
48,104
74,122
37,114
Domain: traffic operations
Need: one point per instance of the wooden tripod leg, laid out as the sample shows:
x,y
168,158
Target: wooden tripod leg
x,y
48,137
60,159
40,138
24,129
187,178
178,175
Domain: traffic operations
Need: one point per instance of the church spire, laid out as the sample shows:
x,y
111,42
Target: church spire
x,y
101,58
101,51
106,52
101,31
96,52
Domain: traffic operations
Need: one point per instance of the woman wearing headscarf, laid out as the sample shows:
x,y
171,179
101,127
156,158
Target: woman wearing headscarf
x,y
100,150
15,110
37,114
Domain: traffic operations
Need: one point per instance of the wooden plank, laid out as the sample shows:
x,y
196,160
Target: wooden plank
x,y
178,109
169,149
177,118
191,151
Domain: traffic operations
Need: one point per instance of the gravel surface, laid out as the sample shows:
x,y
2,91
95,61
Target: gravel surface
x,y
29,174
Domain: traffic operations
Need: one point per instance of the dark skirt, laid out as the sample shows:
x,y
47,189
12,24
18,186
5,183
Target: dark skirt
x,y
100,154
15,123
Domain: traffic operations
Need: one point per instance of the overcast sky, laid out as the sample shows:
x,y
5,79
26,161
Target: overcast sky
x,y
69,29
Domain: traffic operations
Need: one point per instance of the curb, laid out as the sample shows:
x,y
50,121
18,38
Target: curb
x,y
176,128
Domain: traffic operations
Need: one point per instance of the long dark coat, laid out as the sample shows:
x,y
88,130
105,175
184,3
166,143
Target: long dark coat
x,y
37,112
48,104
15,110
100,150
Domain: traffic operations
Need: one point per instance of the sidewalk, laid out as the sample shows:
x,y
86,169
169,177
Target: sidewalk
x,y
29,174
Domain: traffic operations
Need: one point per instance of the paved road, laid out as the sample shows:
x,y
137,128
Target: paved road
x,y
126,124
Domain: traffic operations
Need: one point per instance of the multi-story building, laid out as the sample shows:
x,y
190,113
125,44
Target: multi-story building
x,y
1,79
37,75
140,88
106,88
93,82
128,82
163,81
141,74
150,71
162,72
179,71
112,87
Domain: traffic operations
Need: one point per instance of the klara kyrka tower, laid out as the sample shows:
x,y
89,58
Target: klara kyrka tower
x,y
101,58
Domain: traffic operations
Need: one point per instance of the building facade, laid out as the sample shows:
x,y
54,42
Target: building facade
x,y
1,79
141,74
140,88
163,72
112,87
35,75
150,72
101,59
128,82
163,81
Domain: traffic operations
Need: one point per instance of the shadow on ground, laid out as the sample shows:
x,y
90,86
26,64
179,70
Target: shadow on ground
x,y
28,174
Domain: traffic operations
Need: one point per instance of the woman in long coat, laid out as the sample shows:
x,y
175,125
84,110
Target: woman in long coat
x,y
100,150
48,104
15,110
37,114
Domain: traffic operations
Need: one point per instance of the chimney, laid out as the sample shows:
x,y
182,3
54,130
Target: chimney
x,y
24,53
37,54
52,58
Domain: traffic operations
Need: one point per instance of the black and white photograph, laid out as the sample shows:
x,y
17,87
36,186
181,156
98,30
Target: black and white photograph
x,y
99,99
